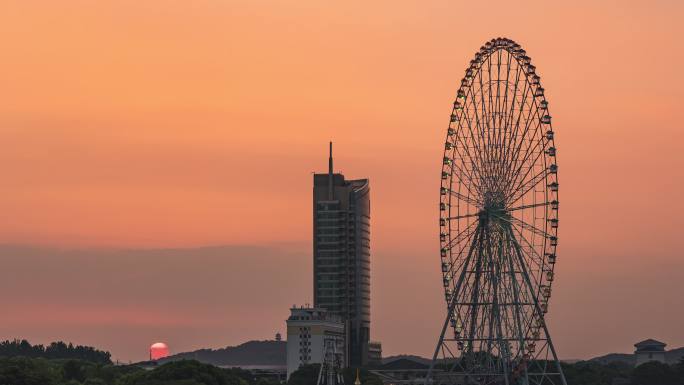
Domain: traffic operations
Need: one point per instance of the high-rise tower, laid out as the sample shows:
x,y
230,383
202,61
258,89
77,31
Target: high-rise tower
x,y
341,255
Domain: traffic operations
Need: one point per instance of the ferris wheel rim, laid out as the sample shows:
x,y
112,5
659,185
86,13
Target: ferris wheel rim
x,y
531,81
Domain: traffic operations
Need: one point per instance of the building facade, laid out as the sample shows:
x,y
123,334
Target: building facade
x,y
649,350
341,256
374,354
311,334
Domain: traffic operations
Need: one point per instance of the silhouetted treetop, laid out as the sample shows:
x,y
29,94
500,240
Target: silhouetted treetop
x,y
56,350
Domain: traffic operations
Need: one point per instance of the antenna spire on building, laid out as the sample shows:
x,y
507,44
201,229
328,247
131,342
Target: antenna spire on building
x,y
331,195
330,161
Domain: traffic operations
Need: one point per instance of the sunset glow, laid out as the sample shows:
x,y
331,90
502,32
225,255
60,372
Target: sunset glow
x,y
157,161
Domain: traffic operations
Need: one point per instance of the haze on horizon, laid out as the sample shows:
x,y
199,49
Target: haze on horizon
x,y
157,158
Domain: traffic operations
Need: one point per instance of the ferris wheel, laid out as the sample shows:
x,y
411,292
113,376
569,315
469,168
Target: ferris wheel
x,y
498,226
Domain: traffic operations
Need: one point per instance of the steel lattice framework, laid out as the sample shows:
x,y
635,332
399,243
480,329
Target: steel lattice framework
x,y
498,226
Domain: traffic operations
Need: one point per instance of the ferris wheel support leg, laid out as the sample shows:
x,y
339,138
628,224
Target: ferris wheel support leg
x,y
516,298
428,377
476,291
450,310
503,347
536,304
320,375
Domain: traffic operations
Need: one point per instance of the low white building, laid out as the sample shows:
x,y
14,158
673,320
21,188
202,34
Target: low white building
x,y
309,330
649,350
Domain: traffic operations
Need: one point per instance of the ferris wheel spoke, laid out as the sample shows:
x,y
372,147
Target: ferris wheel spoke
x,y
510,114
454,265
516,164
464,176
533,115
533,255
489,120
516,127
482,117
475,159
502,116
516,177
518,222
463,216
484,127
506,135
467,183
502,102
524,207
479,151
461,236
464,198
471,174
527,186
538,150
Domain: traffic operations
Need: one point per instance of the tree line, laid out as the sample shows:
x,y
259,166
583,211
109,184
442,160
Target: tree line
x,y
41,371
650,373
56,350
65,364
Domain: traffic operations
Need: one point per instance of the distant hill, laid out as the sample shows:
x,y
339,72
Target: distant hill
x,y
404,362
671,356
422,360
271,353
614,357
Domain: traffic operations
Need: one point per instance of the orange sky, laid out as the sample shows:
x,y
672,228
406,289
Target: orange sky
x,y
173,124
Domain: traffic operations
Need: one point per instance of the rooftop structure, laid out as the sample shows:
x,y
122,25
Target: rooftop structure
x,y
310,332
649,350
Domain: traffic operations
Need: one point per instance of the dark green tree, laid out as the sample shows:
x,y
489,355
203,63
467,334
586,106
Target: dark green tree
x,y
655,373
26,371
594,373
55,350
305,375
73,370
189,372
95,381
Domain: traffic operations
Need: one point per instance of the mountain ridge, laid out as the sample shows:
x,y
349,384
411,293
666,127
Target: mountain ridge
x,y
250,353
